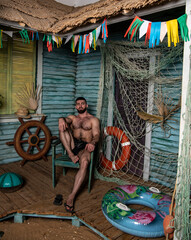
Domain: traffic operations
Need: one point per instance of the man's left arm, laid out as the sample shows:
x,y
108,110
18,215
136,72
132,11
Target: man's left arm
x,y
95,135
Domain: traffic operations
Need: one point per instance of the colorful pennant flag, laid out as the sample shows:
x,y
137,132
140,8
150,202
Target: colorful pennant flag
x,y
183,27
80,44
155,34
143,28
9,33
172,32
24,36
104,30
163,31
133,28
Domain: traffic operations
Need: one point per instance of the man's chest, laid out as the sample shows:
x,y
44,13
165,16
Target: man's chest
x,y
84,124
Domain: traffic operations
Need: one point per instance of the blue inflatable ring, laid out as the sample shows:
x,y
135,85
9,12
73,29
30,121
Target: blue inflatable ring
x,y
140,223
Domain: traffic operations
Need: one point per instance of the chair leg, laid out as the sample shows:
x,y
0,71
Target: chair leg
x,y
90,173
64,171
53,177
53,168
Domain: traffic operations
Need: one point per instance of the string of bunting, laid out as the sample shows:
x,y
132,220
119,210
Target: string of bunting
x,y
27,35
156,31
88,40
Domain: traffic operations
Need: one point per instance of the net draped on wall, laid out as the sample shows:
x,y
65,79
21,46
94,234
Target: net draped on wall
x,y
183,204
140,93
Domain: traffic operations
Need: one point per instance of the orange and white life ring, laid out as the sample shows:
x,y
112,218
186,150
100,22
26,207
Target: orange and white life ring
x,y
126,149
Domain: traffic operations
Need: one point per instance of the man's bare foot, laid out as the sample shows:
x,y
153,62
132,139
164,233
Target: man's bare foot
x,y
70,201
74,158
69,205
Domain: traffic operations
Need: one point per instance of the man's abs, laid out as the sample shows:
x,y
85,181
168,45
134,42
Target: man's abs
x,y
82,135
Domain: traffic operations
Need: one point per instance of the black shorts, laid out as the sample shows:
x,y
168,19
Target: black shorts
x,y
78,146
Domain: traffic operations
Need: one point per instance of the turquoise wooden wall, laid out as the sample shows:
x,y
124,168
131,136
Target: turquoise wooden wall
x,y
8,153
58,84
65,77
87,78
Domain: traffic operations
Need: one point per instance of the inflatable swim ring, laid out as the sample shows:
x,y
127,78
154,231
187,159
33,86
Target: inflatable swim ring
x,y
136,222
126,149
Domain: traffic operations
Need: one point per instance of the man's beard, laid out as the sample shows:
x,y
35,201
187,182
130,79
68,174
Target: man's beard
x,y
82,111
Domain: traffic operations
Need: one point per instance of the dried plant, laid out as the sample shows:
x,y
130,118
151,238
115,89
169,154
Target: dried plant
x,y
165,111
28,97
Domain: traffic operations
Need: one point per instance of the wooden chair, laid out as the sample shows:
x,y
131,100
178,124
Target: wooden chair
x,y
65,162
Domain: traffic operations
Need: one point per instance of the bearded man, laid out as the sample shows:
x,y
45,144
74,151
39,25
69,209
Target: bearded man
x,y
79,135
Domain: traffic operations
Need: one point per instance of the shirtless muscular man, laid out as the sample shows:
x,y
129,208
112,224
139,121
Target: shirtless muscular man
x,y
79,134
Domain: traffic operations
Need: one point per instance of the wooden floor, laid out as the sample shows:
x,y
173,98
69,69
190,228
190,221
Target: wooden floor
x,y
37,196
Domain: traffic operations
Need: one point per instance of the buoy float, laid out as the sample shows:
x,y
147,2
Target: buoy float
x,y
126,149
10,182
168,224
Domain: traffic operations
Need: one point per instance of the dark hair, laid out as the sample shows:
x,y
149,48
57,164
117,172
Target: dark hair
x,y
81,98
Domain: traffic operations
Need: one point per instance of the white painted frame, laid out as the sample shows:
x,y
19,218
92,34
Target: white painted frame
x,y
185,80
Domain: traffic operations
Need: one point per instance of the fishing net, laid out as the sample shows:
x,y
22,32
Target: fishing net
x,y
183,205
140,93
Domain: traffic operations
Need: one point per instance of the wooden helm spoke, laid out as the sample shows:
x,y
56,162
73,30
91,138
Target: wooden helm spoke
x,y
42,139
38,130
29,148
24,141
28,131
38,148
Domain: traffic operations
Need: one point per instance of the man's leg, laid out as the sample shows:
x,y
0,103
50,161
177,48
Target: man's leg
x,y
68,142
80,176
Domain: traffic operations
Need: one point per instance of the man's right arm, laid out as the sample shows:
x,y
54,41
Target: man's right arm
x,y
64,122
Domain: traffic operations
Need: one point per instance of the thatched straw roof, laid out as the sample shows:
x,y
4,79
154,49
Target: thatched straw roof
x,y
50,16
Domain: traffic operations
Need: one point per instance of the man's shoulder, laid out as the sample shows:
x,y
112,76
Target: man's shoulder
x,y
71,117
94,118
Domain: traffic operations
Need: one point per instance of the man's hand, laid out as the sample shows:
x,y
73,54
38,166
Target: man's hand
x,y
90,147
62,124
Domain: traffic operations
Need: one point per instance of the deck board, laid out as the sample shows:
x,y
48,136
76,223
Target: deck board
x,y
37,195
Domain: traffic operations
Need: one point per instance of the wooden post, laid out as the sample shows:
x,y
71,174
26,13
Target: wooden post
x,y
149,125
39,71
110,114
186,74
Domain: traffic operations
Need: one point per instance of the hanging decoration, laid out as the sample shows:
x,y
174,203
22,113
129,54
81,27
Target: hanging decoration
x,y
154,34
156,31
32,35
104,31
133,28
24,36
58,40
88,40
183,27
9,33
172,32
